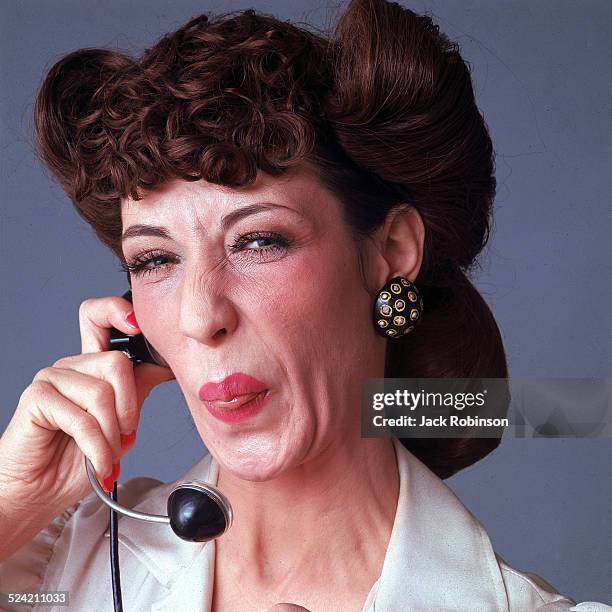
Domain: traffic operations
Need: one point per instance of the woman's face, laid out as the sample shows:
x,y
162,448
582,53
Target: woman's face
x,y
265,281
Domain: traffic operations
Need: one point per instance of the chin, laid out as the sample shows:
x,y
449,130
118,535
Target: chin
x,y
255,459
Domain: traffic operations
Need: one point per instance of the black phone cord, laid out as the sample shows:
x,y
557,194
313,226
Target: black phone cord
x,y
114,554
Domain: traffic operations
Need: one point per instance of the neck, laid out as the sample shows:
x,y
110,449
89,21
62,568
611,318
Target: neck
x,y
334,513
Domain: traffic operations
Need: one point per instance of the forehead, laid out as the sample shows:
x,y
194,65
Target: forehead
x,y
299,184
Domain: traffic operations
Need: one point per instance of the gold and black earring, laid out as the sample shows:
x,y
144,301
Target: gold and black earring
x,y
398,308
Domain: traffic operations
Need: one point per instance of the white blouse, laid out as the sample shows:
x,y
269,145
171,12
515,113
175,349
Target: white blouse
x,y
439,556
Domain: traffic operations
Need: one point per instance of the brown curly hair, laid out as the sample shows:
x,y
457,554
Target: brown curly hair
x,y
382,108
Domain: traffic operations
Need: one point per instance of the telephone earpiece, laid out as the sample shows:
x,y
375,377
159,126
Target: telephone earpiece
x,y
136,347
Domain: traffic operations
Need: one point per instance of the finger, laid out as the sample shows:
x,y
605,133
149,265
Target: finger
x,y
117,370
97,316
52,411
95,396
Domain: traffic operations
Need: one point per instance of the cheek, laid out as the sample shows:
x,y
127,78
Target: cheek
x,y
314,291
148,318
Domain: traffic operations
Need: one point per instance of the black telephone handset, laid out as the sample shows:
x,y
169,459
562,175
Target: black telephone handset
x,y
197,511
135,347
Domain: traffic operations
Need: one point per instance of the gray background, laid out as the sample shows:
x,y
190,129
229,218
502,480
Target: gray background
x,y
540,72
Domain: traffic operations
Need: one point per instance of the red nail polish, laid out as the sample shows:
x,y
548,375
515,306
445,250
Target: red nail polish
x,y
131,319
108,482
128,439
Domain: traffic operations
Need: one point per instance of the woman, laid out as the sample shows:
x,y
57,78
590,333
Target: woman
x,y
263,186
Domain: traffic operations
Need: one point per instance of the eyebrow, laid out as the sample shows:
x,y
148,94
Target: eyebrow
x,y
228,220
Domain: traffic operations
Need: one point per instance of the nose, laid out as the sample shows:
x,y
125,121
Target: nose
x,y
206,314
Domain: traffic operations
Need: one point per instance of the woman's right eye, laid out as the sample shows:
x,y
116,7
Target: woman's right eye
x,y
142,263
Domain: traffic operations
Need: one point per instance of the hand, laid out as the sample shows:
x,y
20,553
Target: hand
x,y
287,607
81,405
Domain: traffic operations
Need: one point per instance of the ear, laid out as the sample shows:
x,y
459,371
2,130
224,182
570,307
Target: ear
x,y
399,242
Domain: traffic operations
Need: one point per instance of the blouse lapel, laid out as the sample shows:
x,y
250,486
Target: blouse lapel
x,y
439,555
192,588
184,569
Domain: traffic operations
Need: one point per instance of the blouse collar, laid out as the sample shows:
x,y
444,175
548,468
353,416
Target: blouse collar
x,y
439,556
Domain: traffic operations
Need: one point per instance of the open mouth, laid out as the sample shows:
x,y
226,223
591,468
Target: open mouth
x,y
237,402
240,408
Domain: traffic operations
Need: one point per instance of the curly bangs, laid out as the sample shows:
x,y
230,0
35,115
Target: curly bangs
x,y
215,101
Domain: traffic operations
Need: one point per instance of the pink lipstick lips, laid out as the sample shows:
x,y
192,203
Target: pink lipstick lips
x,y
235,398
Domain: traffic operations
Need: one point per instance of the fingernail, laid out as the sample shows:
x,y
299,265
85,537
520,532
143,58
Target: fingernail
x,y
108,482
131,319
128,438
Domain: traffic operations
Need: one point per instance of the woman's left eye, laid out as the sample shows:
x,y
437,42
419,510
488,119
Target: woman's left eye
x,y
275,243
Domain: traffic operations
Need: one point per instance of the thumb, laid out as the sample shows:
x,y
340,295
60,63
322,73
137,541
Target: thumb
x,y
147,376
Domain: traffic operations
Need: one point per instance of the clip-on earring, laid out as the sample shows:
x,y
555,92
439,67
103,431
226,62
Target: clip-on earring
x,y
398,308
